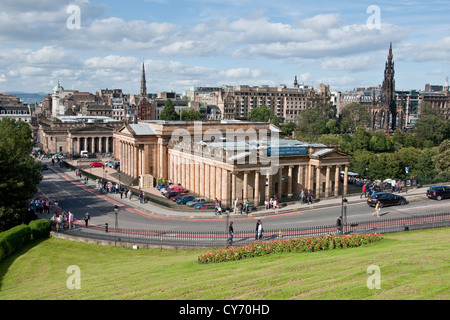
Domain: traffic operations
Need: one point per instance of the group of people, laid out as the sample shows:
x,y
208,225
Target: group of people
x,y
66,220
39,206
241,206
272,203
306,197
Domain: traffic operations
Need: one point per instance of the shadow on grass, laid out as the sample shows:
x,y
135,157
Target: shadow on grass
x,y
7,262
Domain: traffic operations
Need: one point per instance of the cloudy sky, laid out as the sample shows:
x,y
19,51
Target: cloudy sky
x,y
88,45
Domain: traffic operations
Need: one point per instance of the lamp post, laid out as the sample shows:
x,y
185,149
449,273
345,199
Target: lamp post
x,y
344,213
116,211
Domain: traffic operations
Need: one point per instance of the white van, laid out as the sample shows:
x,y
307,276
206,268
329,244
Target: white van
x,y
84,154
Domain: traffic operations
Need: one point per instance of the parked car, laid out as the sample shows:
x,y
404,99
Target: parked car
x,y
178,196
386,199
185,199
44,167
438,192
172,188
195,201
208,205
97,164
161,186
170,194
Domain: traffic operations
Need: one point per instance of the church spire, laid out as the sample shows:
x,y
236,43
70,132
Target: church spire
x,y
143,82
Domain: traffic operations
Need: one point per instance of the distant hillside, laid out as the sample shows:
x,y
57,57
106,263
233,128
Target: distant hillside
x,y
29,98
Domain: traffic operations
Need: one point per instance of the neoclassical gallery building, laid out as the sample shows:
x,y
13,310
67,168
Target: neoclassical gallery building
x,y
229,159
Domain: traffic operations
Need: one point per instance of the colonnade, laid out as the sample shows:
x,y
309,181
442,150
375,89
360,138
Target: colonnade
x,y
212,179
100,144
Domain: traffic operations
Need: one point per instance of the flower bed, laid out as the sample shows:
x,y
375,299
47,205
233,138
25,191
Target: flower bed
x,y
307,244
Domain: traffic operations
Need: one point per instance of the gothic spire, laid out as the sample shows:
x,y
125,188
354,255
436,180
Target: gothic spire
x,y
143,82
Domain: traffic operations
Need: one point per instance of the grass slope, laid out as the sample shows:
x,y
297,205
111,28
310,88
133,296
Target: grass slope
x,y
413,265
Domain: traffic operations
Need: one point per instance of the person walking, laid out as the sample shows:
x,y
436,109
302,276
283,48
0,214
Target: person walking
x,y
70,220
302,197
377,209
260,230
230,234
339,225
86,219
309,197
363,192
256,231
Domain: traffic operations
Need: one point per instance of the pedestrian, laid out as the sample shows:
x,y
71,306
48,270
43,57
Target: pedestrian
x,y
129,195
364,192
339,225
70,220
302,197
141,197
309,197
377,209
257,227
271,203
236,206
266,204
230,234
86,219
260,230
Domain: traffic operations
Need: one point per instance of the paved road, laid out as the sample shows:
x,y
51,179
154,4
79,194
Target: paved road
x,y
73,195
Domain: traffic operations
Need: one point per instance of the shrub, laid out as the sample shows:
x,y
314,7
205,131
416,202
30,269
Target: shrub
x,y
40,228
14,239
307,244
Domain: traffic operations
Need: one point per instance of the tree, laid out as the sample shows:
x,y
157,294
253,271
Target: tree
x,y
264,114
380,141
432,128
354,115
442,160
361,139
311,124
168,113
20,173
190,115
288,128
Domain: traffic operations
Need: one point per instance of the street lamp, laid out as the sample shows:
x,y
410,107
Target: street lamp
x,y
116,211
344,212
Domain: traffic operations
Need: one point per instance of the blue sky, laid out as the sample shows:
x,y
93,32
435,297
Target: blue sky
x,y
215,43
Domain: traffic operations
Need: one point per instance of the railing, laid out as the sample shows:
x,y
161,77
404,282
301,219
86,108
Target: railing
x,y
242,237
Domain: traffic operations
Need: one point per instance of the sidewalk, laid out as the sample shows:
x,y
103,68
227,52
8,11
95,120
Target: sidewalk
x,y
180,212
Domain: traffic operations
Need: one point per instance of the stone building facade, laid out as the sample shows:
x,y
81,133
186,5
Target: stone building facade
x,y
228,160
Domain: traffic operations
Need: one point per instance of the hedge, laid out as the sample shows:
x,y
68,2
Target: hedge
x,y
40,228
15,238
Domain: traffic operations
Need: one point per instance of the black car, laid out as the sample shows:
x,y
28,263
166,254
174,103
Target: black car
x,y
385,199
438,192
44,167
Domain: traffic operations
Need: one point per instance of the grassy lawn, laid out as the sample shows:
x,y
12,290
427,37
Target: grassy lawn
x,y
413,265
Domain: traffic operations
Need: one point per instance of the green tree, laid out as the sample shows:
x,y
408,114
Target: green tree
x,y
20,173
361,139
432,128
354,115
333,126
168,113
288,128
190,115
442,160
264,114
311,124
380,142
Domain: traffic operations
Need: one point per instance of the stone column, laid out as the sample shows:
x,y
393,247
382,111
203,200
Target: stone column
x,y
290,179
300,178
197,177
245,185
280,182
233,186
225,188
257,198
207,181
202,179
337,175
345,180
318,186
327,182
